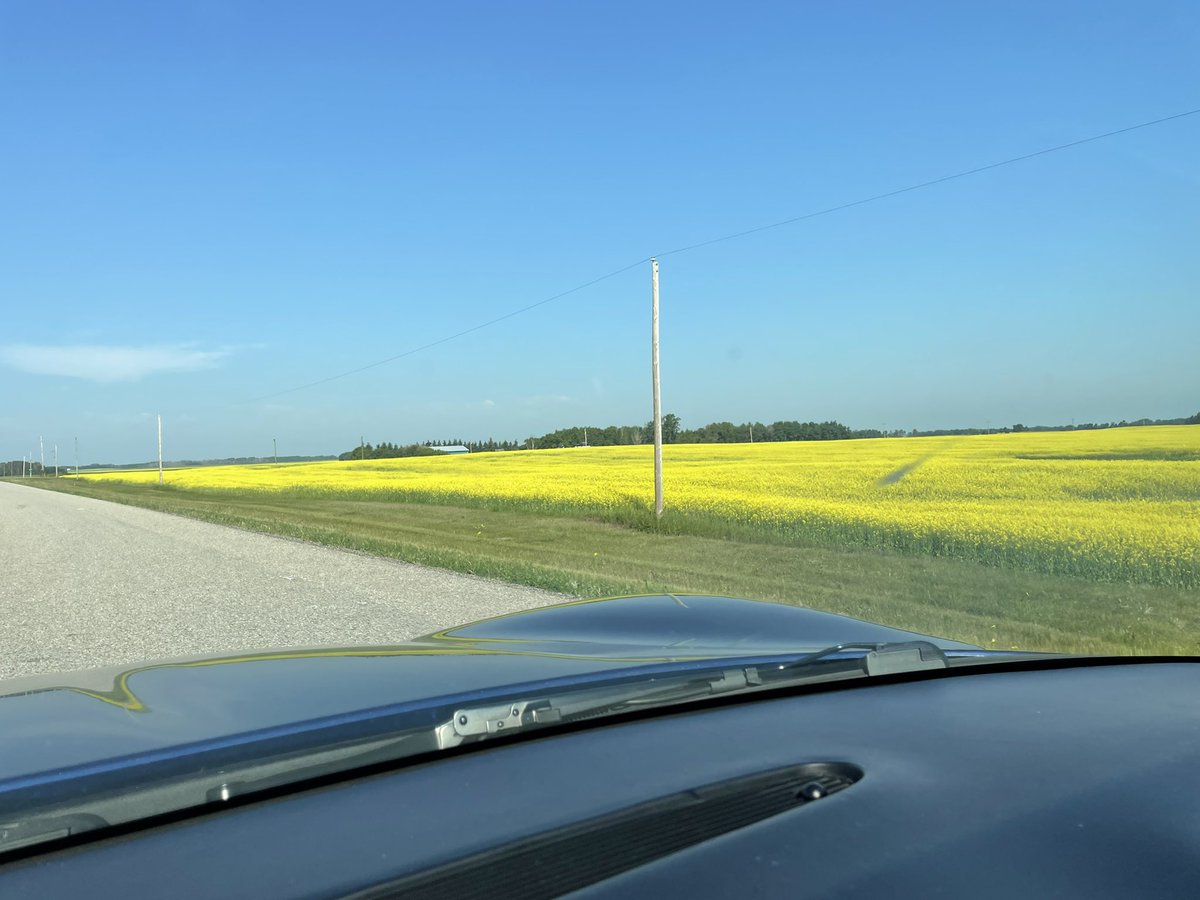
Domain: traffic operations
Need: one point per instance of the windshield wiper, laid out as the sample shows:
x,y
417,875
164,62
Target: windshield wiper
x,y
830,663
883,659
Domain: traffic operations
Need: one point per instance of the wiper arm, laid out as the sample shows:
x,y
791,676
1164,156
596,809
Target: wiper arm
x,y
470,724
505,718
883,659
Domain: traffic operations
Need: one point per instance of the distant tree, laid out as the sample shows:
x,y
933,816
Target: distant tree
x,y
670,428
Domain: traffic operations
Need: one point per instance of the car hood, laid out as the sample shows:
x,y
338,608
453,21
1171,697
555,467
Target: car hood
x,y
52,723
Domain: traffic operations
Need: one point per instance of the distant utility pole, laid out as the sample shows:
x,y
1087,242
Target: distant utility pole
x,y
362,448
76,457
275,450
42,451
752,432
56,460
658,484
160,472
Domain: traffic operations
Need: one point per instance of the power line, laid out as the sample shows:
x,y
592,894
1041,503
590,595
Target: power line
x,y
924,184
729,237
448,338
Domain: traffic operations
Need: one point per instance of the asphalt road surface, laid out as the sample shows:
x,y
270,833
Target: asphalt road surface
x,y
86,583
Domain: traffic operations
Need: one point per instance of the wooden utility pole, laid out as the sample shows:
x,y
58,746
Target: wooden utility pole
x,y
275,450
160,472
42,453
658,483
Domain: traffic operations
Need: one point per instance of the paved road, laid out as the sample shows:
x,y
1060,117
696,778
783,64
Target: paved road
x,y
86,583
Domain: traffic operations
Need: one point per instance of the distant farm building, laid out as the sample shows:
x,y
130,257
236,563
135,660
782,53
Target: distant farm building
x,y
452,448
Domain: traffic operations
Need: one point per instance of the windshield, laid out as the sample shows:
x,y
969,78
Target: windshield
x,y
335,328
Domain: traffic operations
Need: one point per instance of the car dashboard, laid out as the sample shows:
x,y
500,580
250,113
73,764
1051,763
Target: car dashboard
x,y
1061,777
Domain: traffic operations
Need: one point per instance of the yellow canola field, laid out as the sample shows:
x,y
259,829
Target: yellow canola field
x,y
1113,504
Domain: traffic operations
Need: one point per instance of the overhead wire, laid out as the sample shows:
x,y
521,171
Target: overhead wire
x,y
450,337
925,184
729,237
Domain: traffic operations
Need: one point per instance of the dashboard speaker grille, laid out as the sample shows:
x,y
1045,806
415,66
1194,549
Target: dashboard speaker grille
x,y
567,859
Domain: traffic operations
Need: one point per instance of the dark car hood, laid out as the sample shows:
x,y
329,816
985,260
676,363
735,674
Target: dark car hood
x,y
50,723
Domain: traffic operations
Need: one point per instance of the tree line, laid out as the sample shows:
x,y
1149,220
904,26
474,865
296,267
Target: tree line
x,y
713,433
624,435
15,468
388,450
1083,426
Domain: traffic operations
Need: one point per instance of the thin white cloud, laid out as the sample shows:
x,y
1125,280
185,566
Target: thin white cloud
x,y
106,364
540,400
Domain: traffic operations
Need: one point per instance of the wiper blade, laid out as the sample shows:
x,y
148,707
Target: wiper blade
x,y
884,659
494,720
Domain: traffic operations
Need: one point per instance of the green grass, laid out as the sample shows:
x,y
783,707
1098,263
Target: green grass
x,y
954,598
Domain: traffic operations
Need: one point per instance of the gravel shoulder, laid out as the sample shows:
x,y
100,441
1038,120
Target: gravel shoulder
x,y
85,583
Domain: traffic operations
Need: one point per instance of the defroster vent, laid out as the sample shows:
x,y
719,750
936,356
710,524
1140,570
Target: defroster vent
x,y
567,859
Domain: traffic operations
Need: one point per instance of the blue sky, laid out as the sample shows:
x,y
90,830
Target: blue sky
x,y
207,203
